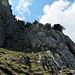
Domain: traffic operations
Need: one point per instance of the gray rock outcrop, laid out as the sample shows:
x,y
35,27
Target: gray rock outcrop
x,y
36,37
72,71
2,33
24,60
56,61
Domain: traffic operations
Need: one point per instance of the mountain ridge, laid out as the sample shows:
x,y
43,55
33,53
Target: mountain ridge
x,y
57,49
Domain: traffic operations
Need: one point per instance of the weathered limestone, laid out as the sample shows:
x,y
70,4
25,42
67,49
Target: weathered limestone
x,y
56,61
2,33
15,35
70,44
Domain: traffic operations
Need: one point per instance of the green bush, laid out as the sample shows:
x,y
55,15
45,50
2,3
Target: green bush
x,y
58,27
28,24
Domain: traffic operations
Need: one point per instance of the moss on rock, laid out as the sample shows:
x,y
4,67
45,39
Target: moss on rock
x,y
4,2
10,63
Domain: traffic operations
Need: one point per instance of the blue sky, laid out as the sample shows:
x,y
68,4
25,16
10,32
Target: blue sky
x,y
47,11
35,8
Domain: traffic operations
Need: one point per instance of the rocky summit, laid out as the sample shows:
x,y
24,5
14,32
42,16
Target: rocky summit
x,y
33,48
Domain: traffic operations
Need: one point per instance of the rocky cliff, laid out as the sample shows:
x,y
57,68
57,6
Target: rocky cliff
x,y
57,49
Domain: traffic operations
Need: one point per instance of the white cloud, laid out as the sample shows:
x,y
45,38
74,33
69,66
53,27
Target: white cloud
x,y
62,12
10,2
19,18
38,17
23,7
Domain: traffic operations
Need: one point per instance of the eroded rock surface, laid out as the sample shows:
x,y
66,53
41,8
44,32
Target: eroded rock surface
x,y
36,37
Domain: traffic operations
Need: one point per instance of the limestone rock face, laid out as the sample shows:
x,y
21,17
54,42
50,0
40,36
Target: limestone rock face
x,y
5,18
70,44
2,33
56,61
15,35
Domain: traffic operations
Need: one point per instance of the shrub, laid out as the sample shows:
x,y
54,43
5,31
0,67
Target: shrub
x,y
58,27
35,22
48,26
20,22
28,24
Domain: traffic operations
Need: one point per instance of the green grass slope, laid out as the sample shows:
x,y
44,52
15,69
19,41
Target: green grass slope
x,y
10,64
